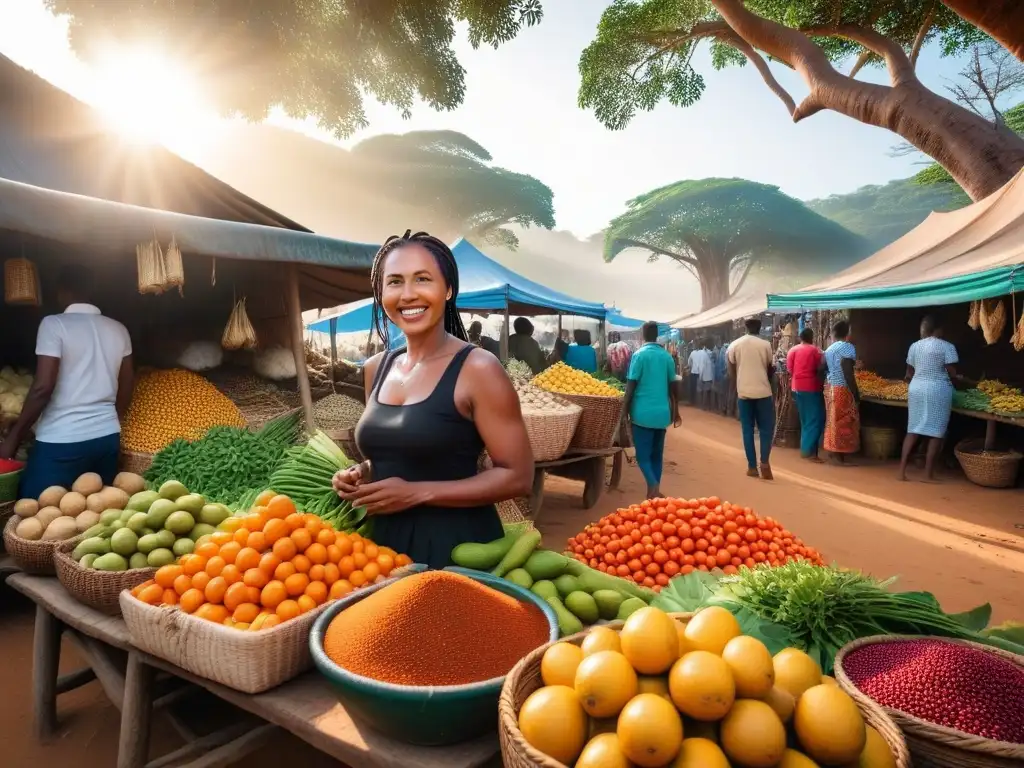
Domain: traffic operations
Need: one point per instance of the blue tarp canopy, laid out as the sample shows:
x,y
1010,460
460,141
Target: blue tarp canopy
x,y
616,319
485,285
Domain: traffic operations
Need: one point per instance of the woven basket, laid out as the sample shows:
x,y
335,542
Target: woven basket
x,y
21,282
524,679
598,423
134,461
250,662
551,433
97,589
991,470
6,511
33,557
878,442
934,746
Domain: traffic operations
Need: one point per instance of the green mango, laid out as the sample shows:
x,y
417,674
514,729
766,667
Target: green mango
x,y
179,523
138,560
519,577
110,562
608,602
124,542
200,530
544,564
87,560
192,503
108,516
160,510
148,543
566,585
583,606
213,514
137,522
142,500
90,546
544,589
172,490
629,607
160,557
183,547
568,624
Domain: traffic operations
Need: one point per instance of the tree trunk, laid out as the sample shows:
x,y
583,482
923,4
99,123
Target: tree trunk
x,y
1002,19
979,156
713,273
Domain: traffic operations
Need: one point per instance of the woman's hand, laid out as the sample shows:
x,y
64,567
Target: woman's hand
x,y
347,481
388,496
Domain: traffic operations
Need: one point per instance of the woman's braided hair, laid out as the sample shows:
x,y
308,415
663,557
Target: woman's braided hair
x,y
449,271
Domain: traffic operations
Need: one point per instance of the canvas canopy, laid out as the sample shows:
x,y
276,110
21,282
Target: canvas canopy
x,y
484,284
615,319
735,308
974,253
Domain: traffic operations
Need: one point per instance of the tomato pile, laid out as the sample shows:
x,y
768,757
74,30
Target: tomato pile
x,y
654,540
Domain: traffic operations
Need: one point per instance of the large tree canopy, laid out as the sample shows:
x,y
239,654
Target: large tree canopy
x,y
720,229
881,213
449,175
644,53
312,57
1003,19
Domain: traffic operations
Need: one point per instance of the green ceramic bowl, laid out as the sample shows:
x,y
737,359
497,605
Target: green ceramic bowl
x,y
423,716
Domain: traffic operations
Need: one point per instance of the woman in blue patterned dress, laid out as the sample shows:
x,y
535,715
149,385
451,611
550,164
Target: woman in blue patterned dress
x,y
931,372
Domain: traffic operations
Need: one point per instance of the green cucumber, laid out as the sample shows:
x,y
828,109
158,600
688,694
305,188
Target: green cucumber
x,y
544,564
518,554
568,624
592,580
483,557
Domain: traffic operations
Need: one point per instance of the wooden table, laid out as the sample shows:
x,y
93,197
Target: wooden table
x,y
138,684
990,419
585,465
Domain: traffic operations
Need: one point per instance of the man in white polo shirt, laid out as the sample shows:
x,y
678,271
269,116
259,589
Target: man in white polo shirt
x,y
81,391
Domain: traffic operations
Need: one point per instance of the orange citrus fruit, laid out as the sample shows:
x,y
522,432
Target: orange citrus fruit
x,y
272,595
235,595
257,540
294,521
229,551
318,591
285,549
287,609
327,536
283,571
339,589
215,589
296,584
357,579
255,577
371,571
275,529
166,575
331,574
207,549
302,563
269,562
247,558
153,594
306,603
246,612
346,566
302,538
317,553
191,600
264,498
182,584
214,613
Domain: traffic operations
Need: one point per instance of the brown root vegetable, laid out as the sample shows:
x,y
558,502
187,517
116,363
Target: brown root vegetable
x,y
88,484
51,496
26,507
47,515
59,529
30,528
73,504
129,482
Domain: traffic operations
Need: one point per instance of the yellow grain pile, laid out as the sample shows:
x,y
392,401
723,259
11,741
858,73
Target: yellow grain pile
x,y
567,380
172,404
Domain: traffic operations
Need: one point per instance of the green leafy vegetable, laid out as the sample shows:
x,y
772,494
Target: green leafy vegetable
x,y
821,609
227,463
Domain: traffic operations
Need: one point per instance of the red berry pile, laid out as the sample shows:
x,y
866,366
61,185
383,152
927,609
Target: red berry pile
x,y
943,683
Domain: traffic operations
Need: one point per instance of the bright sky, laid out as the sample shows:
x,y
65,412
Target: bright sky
x,y
521,105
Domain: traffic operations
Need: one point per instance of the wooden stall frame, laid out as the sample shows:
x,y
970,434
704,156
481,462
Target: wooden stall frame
x,y
299,344
992,420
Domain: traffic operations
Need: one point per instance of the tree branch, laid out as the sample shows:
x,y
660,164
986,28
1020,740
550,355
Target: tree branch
x,y
628,243
858,65
896,60
743,277
761,65
922,33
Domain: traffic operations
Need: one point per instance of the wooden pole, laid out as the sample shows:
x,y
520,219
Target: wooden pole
x,y
333,326
504,337
298,345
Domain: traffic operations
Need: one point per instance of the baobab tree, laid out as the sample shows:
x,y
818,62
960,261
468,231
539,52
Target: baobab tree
x,y
644,52
1002,19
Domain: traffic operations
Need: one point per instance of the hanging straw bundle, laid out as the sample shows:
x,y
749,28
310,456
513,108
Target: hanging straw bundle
x,y
1018,335
21,282
993,319
974,321
152,273
174,270
239,333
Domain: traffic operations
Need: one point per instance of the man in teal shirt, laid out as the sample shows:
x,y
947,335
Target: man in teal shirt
x,y
652,403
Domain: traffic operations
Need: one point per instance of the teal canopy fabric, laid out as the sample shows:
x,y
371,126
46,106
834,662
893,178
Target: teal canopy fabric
x,y
109,226
954,290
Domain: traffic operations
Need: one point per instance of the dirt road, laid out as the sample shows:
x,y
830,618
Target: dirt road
x,y
960,542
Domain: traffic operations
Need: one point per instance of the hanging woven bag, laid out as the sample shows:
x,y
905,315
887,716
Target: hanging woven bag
x,y
993,319
238,333
21,282
974,320
174,269
149,257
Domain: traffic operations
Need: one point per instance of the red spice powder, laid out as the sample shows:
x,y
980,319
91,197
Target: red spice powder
x,y
435,628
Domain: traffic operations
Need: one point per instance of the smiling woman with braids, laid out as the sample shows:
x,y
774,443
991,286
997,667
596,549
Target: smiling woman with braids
x,y
431,409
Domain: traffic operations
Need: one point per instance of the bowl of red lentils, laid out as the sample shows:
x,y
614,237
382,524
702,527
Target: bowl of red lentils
x,y
422,657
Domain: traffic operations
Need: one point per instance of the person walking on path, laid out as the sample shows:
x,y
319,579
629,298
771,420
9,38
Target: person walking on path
x,y
750,366
619,354
931,371
706,380
805,363
842,397
652,404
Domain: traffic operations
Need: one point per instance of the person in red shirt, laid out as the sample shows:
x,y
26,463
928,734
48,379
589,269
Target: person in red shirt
x,y
805,363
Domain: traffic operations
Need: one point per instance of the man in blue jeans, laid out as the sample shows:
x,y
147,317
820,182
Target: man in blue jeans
x,y
652,403
751,369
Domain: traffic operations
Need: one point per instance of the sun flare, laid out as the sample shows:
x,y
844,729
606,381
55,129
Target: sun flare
x,y
148,99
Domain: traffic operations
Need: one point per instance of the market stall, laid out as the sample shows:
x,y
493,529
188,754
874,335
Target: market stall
x,y
964,268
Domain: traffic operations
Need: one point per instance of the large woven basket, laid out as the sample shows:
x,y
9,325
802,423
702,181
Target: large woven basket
x,y
97,589
599,421
934,746
6,511
994,469
33,557
21,282
250,662
878,442
524,679
551,433
134,461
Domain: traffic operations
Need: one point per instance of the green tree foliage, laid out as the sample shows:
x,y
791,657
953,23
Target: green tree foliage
x,y
450,175
935,174
881,213
312,57
720,229
644,49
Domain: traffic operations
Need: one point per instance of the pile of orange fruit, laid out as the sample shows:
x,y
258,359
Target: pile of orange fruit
x,y
267,567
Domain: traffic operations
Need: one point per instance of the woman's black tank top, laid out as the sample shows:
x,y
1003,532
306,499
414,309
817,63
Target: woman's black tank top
x,y
428,441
